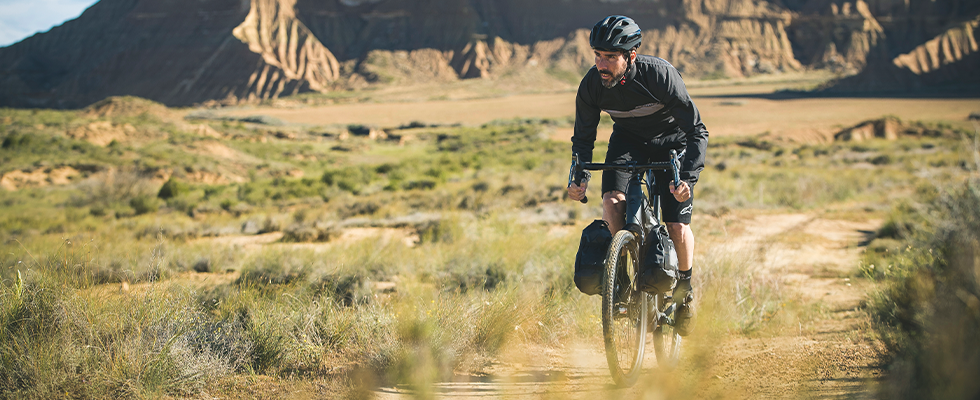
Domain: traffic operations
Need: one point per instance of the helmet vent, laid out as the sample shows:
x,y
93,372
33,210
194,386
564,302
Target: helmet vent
x,y
615,32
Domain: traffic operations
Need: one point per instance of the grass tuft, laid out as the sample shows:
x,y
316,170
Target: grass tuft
x,y
925,306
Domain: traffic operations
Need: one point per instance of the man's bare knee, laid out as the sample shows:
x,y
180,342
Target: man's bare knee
x,y
613,199
613,209
676,229
614,203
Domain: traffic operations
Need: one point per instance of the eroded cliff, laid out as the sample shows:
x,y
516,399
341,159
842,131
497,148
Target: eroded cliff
x,y
949,61
293,57
185,52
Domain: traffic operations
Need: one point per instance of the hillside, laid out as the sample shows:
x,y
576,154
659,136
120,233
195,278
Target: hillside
x,y
149,255
186,52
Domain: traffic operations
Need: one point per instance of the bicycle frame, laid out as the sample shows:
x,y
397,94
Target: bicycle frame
x,y
642,212
639,217
643,215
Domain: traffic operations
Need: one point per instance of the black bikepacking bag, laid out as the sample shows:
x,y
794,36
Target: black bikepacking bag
x,y
659,270
591,257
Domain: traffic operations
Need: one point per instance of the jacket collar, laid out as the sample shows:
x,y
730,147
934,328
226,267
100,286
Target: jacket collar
x,y
630,73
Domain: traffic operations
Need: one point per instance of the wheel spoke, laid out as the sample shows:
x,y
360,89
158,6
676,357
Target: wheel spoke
x,y
624,310
666,342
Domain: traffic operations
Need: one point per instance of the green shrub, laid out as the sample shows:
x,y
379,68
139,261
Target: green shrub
x,y
346,289
925,306
172,188
143,204
303,233
466,275
444,230
350,179
883,159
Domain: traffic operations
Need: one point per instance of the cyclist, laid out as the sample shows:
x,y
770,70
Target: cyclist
x,y
652,114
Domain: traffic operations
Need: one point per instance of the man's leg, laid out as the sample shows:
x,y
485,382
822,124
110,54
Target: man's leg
x,y
683,238
614,210
614,183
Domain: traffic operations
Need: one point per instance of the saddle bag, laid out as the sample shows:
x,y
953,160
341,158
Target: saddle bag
x,y
659,269
591,257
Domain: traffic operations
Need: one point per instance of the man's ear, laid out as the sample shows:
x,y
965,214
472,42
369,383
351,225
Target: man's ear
x,y
632,56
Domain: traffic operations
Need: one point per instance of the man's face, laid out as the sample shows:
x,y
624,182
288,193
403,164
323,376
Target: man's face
x,y
611,66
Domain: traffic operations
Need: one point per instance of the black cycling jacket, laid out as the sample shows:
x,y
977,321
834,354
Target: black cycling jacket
x,y
653,106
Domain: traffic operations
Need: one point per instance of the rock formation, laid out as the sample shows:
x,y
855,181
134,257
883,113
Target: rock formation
x,y
733,38
482,38
884,128
924,45
838,36
177,52
185,52
292,56
950,47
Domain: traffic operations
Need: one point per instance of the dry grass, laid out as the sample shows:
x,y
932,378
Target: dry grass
x,y
490,269
924,304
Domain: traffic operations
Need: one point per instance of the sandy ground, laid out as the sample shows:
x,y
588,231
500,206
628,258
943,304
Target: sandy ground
x,y
829,356
828,352
801,119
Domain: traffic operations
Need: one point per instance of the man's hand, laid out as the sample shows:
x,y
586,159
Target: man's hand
x,y
681,193
576,192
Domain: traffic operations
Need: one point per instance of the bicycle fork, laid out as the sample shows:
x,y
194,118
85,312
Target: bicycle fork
x,y
623,301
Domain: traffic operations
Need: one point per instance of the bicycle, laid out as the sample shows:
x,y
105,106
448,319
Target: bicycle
x,y
625,309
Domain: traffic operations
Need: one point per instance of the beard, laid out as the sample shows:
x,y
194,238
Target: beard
x,y
611,83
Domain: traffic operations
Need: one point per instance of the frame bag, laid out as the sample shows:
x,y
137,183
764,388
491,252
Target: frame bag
x,y
591,257
659,263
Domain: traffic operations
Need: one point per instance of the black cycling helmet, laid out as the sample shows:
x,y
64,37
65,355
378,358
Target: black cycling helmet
x,y
615,33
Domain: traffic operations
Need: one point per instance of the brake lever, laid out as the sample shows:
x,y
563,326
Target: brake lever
x,y
577,175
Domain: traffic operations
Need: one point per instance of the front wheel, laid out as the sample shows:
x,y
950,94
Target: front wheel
x,y
624,310
666,341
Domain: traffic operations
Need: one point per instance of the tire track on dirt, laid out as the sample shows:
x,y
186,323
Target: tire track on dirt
x,y
829,355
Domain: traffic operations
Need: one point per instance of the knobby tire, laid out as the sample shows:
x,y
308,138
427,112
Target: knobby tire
x,y
623,332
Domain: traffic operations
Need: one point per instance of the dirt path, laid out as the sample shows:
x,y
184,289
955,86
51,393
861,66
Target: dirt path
x,y
827,355
831,353
802,119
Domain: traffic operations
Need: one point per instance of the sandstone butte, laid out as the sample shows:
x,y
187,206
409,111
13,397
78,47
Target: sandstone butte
x,y
186,52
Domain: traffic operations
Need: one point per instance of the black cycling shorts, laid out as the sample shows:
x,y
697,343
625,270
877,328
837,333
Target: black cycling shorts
x,y
623,148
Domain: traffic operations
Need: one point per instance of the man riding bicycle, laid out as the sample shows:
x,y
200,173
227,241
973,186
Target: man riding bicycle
x,y
652,114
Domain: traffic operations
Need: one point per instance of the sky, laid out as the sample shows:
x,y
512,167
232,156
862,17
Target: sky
x,y
19,19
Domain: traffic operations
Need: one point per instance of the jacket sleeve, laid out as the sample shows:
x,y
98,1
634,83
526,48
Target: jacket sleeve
x,y
586,120
687,117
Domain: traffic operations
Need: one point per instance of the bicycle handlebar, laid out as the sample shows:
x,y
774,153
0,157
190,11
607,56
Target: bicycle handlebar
x,y
578,175
675,164
579,171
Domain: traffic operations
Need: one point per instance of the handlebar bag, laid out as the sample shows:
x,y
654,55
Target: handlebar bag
x,y
659,272
591,258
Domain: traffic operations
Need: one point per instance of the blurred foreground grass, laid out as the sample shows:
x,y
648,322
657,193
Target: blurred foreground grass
x,y
924,306
189,254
